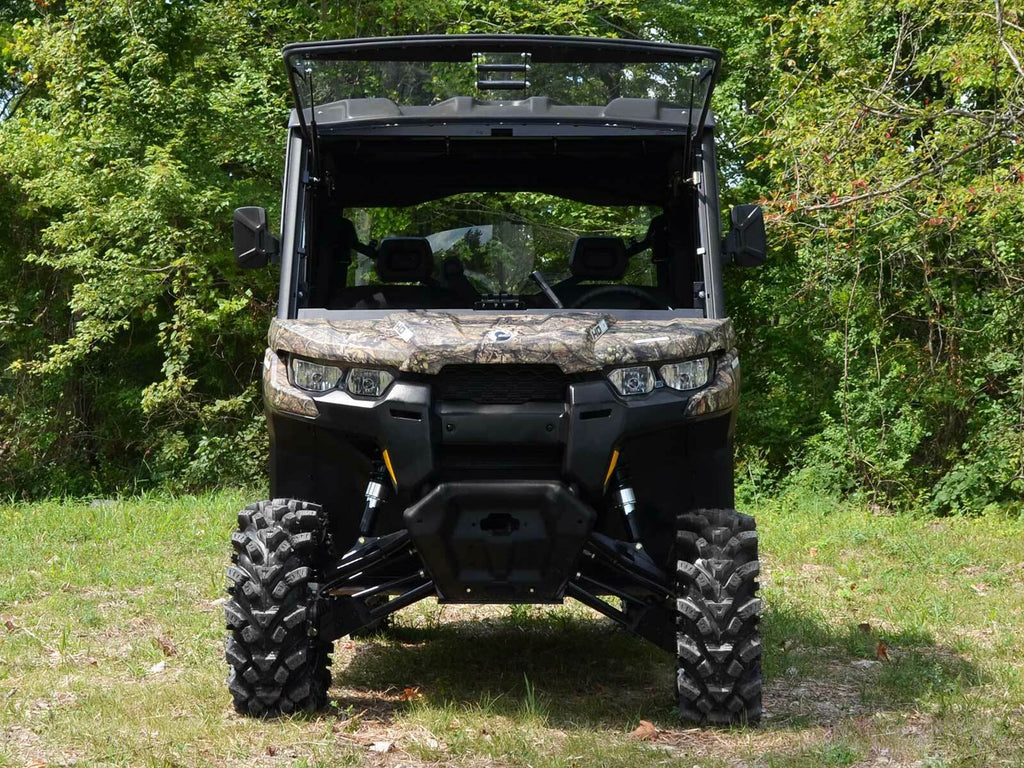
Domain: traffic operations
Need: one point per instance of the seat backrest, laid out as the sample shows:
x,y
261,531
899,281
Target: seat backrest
x,y
598,257
404,260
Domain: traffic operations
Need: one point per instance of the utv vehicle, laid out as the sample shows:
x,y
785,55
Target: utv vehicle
x,y
501,369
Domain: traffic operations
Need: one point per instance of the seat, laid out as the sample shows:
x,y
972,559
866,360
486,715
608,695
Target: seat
x,y
598,257
404,260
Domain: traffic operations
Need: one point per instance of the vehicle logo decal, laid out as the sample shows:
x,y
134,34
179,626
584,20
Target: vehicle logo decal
x,y
498,335
404,331
598,329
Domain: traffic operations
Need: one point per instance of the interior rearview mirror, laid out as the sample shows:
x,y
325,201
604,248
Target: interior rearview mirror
x,y
255,246
746,244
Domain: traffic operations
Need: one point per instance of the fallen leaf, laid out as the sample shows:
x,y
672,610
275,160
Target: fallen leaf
x,y
271,750
381,746
410,694
788,644
864,627
814,551
10,625
979,588
644,732
853,586
882,652
166,645
157,668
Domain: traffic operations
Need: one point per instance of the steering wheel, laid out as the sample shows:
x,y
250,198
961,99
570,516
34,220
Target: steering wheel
x,y
625,290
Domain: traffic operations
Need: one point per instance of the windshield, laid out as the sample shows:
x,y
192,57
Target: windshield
x,y
480,250
427,71
499,258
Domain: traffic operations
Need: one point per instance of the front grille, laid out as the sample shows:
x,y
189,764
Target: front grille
x,y
501,384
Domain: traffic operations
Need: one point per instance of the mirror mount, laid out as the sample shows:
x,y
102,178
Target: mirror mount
x,y
746,244
255,245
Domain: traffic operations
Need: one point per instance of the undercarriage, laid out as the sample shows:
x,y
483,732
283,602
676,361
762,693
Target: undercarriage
x,y
566,558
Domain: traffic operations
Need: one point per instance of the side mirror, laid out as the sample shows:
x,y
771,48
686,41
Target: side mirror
x,y
255,246
746,244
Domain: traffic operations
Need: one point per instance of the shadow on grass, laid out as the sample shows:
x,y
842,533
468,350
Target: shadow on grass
x,y
589,673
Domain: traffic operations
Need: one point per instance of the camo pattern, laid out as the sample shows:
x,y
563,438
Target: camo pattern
x,y
724,391
426,341
279,393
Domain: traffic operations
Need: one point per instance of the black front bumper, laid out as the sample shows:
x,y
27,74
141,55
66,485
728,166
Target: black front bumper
x,y
324,449
583,431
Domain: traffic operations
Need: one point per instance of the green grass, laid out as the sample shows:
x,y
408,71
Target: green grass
x,y
93,598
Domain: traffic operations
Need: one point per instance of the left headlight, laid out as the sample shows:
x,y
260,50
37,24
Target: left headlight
x,y
641,379
689,374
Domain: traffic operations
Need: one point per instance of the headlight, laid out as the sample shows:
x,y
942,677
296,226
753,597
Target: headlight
x,y
690,374
638,380
314,377
369,382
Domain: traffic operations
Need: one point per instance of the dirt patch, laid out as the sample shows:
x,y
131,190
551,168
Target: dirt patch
x,y
826,698
30,749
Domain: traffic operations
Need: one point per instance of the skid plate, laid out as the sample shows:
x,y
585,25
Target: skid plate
x,y
500,542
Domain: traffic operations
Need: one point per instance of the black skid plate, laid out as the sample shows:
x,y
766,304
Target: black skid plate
x,y
500,542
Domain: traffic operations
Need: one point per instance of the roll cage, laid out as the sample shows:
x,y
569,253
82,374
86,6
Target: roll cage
x,y
367,137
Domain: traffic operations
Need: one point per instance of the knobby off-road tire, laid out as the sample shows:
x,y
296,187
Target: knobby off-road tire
x,y
718,641
275,666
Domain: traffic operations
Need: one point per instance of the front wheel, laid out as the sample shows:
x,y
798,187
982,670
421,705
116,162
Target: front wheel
x,y
718,640
276,665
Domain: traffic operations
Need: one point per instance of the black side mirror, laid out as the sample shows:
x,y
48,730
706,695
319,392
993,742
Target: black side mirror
x,y
255,246
746,244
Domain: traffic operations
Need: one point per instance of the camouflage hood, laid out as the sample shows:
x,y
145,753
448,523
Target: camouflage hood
x,y
426,341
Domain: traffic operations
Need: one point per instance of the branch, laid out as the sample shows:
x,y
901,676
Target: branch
x,y
1002,40
842,202
616,27
992,16
15,101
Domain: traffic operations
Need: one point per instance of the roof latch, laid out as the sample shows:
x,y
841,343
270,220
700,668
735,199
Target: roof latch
x,y
502,71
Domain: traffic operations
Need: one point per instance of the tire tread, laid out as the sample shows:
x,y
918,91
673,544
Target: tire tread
x,y
275,666
718,678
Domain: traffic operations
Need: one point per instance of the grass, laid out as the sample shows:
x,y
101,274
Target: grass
x,y
111,654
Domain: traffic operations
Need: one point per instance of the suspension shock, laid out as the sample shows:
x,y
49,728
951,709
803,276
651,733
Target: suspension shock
x,y
376,495
625,501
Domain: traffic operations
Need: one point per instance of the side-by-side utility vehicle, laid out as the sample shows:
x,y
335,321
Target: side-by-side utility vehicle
x,y
502,369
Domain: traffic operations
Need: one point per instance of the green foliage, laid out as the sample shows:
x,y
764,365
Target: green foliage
x,y
898,201
882,345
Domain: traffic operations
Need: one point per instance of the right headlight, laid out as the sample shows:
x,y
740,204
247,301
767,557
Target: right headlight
x,y
314,377
368,382
689,374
